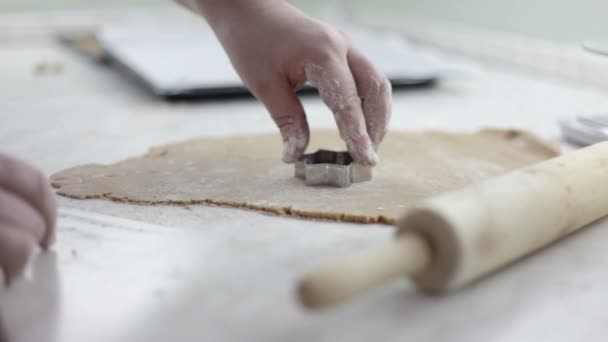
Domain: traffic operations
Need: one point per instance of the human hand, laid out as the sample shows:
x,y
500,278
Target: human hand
x,y
275,48
27,214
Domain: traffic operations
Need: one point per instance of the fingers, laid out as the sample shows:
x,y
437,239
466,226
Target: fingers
x,y
16,247
16,212
337,88
374,89
31,186
288,114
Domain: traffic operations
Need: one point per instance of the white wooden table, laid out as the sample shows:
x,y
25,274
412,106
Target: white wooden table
x,y
213,274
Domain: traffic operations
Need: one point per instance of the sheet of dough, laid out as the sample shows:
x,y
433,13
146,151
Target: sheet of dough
x,y
246,172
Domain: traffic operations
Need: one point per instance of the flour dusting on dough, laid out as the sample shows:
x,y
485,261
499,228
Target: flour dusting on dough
x,y
245,172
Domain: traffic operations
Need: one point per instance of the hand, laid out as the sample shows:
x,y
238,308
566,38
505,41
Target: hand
x,y
275,48
27,214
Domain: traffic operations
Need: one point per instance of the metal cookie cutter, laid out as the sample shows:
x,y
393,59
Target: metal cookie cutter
x,y
331,168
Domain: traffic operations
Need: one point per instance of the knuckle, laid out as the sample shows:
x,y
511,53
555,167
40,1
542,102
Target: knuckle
x,y
11,167
328,45
8,167
17,212
25,180
345,36
19,176
328,36
325,57
284,121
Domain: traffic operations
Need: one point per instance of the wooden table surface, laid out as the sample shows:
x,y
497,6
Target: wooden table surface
x,y
125,272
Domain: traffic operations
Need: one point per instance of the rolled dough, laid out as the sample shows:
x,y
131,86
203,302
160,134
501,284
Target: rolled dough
x,y
246,172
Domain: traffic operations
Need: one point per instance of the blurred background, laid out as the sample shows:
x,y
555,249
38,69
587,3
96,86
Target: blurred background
x,y
560,20
551,19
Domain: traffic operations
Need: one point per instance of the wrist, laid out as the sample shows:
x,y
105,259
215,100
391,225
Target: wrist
x,y
220,10
223,15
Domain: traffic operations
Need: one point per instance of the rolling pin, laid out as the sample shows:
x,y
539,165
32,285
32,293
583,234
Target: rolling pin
x,y
455,238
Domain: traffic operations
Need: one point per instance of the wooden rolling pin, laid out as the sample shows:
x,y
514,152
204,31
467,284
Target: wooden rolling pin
x,y
457,237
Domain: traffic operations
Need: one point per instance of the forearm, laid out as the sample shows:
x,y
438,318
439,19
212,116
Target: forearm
x,y
216,10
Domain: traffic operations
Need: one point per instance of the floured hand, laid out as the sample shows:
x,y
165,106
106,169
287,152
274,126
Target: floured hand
x,y
275,48
27,214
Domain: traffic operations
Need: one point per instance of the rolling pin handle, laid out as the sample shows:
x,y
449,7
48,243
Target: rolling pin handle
x,y
344,278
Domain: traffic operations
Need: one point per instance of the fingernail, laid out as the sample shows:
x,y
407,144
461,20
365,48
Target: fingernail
x,y
369,154
364,154
377,137
372,157
289,151
50,234
50,237
294,145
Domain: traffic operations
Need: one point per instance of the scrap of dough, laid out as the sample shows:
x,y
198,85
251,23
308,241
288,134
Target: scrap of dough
x,y
246,172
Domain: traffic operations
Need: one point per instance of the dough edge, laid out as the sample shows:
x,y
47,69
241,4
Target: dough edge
x,y
534,142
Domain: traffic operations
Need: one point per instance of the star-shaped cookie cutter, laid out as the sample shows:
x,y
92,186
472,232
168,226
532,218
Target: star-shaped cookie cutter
x,y
331,168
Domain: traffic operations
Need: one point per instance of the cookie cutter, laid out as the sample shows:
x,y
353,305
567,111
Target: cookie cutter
x,y
331,168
